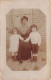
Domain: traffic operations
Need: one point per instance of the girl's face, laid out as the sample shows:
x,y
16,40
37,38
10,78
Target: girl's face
x,y
33,29
14,31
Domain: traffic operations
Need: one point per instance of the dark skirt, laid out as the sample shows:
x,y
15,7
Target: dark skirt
x,y
34,48
24,52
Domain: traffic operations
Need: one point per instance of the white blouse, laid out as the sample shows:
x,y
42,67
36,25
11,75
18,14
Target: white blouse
x,y
35,37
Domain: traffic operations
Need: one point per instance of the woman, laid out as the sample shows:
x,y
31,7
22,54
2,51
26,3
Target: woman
x,y
24,47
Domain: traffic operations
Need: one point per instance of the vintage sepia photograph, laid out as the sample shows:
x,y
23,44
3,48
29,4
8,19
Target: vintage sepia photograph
x,y
26,39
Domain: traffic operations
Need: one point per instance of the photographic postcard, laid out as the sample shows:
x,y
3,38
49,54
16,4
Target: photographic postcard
x,y
25,52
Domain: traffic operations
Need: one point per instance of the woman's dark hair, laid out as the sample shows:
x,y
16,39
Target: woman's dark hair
x,y
24,17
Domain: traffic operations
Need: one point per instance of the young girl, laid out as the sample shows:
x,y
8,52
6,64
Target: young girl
x,y
14,42
35,39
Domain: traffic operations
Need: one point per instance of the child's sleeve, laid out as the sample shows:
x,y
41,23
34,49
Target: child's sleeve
x,y
39,40
28,38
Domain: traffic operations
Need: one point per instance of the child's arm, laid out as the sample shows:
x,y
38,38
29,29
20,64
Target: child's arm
x,y
21,38
39,40
27,39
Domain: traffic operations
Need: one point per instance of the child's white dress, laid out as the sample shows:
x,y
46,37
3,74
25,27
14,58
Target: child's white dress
x,y
14,42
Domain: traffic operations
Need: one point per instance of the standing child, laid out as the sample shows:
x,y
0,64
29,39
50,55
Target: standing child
x,y
35,39
14,42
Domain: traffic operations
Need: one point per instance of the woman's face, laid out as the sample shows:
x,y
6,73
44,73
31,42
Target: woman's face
x,y
24,22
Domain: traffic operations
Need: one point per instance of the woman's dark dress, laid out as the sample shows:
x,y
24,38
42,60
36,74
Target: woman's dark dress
x,y
24,49
24,52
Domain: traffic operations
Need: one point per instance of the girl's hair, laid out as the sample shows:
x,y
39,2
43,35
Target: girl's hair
x,y
24,17
34,26
14,28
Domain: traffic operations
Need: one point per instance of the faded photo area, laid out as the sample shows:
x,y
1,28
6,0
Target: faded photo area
x,y
26,39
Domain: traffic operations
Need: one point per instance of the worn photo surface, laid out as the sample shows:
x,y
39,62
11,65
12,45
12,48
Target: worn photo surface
x,y
26,39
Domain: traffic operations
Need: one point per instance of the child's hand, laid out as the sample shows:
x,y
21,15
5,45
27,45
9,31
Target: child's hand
x,y
25,41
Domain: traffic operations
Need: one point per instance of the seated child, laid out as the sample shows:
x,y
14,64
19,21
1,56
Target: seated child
x,y
35,39
14,42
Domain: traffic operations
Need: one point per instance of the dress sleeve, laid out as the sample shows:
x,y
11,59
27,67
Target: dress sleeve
x,y
39,40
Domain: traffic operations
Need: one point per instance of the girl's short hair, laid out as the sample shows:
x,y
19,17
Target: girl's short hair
x,y
14,28
24,17
34,26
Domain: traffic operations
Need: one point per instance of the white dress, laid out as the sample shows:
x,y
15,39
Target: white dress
x,y
14,42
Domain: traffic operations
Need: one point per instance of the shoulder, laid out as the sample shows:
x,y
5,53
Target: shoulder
x,y
37,32
18,35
